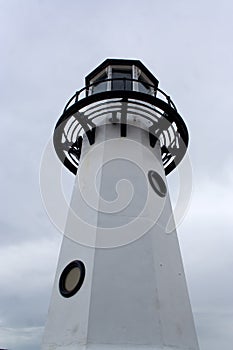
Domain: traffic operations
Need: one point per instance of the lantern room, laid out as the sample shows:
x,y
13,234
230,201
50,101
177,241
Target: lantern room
x,y
120,74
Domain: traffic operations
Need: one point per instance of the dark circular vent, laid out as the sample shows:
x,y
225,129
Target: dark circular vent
x,y
72,278
157,183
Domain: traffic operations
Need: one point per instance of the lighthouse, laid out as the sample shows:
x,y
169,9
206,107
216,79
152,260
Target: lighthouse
x,y
120,281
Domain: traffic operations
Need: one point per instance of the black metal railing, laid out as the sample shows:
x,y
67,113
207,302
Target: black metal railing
x,y
87,91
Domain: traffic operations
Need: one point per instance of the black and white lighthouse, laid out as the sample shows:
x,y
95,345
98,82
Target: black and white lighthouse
x,y
120,281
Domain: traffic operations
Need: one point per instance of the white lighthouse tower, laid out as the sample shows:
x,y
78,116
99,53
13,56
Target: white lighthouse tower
x,y
120,281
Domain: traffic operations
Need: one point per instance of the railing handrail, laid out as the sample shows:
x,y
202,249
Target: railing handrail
x,y
86,88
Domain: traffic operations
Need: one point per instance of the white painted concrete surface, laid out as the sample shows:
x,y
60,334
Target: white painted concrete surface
x,y
134,295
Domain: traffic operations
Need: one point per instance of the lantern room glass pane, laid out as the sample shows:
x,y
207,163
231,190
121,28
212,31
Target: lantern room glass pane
x,y
144,85
100,84
123,79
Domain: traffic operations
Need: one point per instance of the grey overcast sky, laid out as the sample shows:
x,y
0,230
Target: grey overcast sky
x,y
47,48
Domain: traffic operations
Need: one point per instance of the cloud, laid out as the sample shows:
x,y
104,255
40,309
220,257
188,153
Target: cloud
x,y
26,274
21,338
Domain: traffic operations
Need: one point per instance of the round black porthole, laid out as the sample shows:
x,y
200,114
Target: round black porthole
x,y
157,183
72,278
